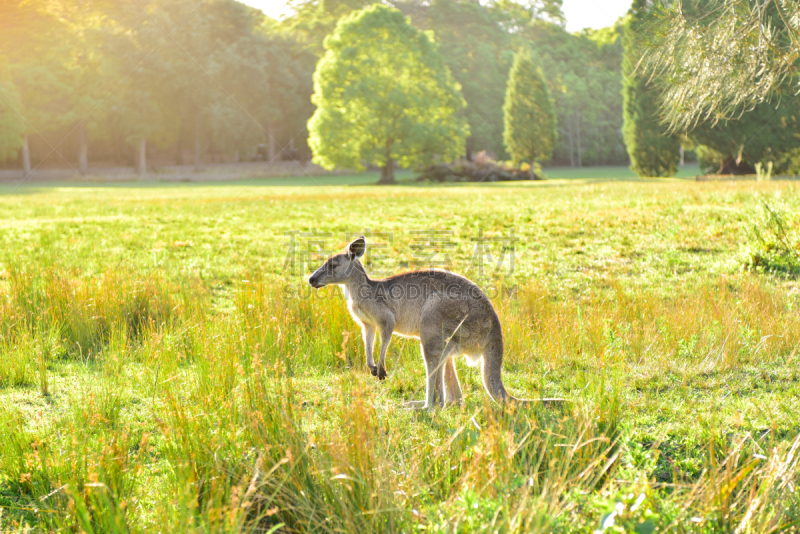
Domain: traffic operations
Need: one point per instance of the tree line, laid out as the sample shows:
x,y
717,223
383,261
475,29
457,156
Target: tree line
x,y
104,80
115,77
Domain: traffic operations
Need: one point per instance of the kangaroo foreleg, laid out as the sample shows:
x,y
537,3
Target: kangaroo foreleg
x,y
368,332
386,327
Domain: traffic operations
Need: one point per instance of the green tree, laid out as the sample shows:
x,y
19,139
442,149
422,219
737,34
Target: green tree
x,y
38,70
477,51
384,95
717,59
530,122
652,150
518,15
313,20
12,127
767,134
583,73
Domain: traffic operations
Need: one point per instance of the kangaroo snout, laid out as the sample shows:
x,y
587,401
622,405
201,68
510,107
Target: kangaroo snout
x,y
314,280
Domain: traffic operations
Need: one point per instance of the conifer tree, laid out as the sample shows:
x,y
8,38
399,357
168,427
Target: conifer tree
x,y
530,119
652,151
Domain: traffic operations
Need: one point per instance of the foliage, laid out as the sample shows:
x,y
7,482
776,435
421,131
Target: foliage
x,y
313,20
217,74
775,242
583,73
483,169
517,16
218,78
710,160
530,121
12,126
383,94
477,51
653,151
718,59
764,135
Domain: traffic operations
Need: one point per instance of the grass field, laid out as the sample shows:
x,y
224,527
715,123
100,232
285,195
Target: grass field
x,y
164,366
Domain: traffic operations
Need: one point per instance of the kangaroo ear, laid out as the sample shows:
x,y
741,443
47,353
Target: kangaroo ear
x,y
357,248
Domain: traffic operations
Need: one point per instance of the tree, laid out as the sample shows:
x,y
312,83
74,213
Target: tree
x,y
518,15
717,59
767,134
530,121
715,66
384,95
652,150
477,51
37,69
12,127
313,20
583,73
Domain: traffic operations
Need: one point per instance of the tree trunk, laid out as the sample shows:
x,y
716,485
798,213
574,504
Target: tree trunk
x,y
601,160
116,143
141,157
387,171
682,160
578,128
197,148
732,166
531,175
571,147
179,149
271,135
83,149
26,158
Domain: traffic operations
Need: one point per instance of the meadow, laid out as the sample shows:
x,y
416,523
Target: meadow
x,y
164,365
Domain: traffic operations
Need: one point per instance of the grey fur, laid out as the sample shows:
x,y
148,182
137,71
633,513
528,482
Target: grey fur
x,y
449,314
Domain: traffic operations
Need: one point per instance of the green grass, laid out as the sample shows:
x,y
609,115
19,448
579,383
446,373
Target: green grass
x,y
162,368
690,170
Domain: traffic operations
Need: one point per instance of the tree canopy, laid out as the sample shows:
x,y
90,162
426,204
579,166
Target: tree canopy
x,y
530,121
718,59
384,95
215,77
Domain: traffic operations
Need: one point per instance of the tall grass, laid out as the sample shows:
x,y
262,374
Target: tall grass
x,y
261,417
714,326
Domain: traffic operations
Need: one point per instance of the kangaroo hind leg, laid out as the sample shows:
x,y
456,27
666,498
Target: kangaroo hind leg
x,y
438,354
449,384
452,389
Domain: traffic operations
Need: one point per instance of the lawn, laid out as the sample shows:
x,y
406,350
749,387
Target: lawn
x,y
164,366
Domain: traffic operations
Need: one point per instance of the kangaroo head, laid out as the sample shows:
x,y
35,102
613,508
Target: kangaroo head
x,y
339,267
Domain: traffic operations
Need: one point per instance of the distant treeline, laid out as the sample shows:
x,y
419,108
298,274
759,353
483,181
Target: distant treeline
x,y
88,80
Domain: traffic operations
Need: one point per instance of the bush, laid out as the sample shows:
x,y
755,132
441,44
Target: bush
x,y
483,169
710,160
775,243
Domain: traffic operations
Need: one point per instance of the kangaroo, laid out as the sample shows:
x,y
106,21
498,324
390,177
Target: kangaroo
x,y
449,314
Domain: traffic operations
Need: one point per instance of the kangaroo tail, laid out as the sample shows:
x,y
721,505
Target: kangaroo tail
x,y
491,368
